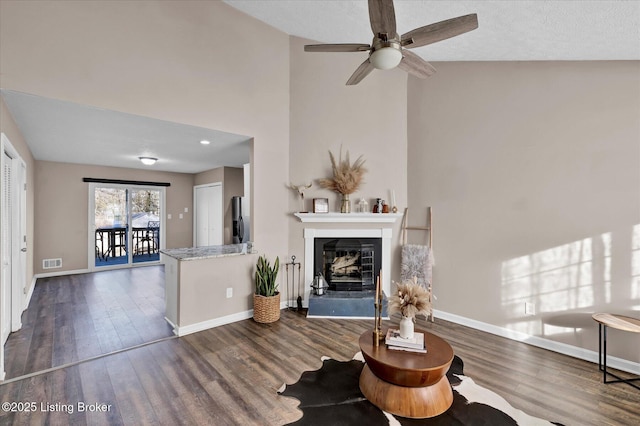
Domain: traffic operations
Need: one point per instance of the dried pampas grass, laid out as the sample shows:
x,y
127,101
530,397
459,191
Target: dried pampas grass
x,y
411,299
347,177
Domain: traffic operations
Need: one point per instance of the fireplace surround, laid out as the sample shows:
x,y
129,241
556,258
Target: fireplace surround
x,y
382,236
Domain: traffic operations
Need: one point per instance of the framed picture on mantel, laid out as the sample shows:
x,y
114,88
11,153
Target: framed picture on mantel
x,y
321,205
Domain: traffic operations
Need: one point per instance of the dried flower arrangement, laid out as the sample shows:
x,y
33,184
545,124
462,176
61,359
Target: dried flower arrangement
x,y
411,299
347,177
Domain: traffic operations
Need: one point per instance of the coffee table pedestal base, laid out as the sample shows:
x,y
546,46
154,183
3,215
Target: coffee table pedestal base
x,y
411,402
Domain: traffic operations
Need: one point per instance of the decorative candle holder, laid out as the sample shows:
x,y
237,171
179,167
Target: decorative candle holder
x,y
378,336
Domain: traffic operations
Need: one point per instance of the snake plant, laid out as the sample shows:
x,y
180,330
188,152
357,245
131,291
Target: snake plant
x,y
266,277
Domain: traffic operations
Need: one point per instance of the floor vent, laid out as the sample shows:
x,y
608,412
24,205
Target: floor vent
x,y
51,263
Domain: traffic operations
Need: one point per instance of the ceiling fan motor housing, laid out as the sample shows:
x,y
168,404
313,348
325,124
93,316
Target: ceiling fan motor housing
x,y
385,54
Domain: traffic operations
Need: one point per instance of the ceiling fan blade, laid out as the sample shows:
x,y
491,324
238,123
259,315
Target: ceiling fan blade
x,y
343,47
383,17
415,65
439,31
363,70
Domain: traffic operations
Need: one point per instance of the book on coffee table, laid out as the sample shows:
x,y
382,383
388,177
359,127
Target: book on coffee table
x,y
393,339
400,348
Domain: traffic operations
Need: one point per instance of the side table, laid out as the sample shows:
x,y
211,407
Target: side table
x,y
619,322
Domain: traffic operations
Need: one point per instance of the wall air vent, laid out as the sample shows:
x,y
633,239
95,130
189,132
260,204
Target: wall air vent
x,y
51,263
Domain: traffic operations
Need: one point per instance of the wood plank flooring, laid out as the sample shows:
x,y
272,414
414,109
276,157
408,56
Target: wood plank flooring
x,y
229,376
77,317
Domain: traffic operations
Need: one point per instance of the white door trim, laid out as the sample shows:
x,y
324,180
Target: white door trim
x,y
18,241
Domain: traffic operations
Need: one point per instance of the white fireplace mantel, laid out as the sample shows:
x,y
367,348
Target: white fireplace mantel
x,y
311,234
349,217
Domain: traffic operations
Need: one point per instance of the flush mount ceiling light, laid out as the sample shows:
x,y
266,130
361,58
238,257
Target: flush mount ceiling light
x,y
205,142
148,161
386,58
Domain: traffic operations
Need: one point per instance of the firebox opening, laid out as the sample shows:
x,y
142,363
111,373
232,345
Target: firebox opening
x,y
348,264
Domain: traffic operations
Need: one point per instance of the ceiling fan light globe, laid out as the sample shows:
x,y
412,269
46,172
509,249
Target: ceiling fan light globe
x,y
385,58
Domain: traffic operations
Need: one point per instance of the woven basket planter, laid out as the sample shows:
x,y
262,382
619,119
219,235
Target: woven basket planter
x,y
266,309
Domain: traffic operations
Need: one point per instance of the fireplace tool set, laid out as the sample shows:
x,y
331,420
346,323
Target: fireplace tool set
x,y
291,286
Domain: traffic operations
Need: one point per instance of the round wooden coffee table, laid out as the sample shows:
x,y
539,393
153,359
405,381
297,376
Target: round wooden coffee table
x,y
407,384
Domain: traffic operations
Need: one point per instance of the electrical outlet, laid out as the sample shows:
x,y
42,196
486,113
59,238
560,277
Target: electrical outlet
x,y
229,292
529,308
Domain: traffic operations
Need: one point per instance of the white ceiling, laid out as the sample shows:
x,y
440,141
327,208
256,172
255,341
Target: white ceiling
x,y
71,133
508,30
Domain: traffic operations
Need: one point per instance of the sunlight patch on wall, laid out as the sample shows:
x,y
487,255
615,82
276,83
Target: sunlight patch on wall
x,y
635,263
557,279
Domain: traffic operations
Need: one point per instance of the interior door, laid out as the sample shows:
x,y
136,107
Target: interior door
x,y
7,177
208,224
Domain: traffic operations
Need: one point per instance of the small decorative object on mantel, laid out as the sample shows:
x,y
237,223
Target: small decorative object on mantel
x,y
363,206
301,189
266,299
321,205
410,299
346,180
379,204
394,206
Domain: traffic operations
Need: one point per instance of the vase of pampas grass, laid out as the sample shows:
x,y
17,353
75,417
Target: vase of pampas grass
x,y
410,299
347,178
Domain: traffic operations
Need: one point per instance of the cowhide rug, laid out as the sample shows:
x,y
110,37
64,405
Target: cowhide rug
x,y
331,396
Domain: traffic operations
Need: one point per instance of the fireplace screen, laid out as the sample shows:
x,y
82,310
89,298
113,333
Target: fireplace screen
x,y
349,264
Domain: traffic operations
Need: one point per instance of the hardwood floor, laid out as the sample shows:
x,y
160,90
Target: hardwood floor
x,y
77,317
229,376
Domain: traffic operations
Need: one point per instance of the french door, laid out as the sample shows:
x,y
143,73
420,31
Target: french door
x,y
126,225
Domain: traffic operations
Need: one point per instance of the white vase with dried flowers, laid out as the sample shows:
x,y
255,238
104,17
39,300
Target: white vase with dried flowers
x,y
346,180
410,299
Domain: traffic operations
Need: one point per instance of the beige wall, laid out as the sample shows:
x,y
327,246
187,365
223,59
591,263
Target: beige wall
x,y
533,171
191,62
204,283
10,129
369,119
61,220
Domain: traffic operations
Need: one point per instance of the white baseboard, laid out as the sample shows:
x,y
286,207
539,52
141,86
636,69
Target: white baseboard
x,y
215,322
60,273
563,348
27,301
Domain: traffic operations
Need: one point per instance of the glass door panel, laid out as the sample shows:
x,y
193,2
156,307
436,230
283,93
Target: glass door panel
x,y
145,225
111,221
126,224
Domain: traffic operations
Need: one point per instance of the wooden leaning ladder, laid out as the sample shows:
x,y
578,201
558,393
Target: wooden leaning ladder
x,y
429,230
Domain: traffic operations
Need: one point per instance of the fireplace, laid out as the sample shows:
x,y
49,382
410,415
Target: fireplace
x,y
348,264
359,284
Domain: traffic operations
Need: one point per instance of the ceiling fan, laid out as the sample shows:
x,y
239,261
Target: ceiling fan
x,y
389,50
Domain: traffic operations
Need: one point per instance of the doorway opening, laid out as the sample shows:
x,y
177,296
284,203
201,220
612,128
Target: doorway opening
x,y
127,225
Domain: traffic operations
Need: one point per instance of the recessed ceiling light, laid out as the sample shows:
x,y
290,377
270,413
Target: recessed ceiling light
x,y
205,142
148,161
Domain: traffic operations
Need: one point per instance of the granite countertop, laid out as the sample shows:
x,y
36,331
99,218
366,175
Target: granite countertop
x,y
195,253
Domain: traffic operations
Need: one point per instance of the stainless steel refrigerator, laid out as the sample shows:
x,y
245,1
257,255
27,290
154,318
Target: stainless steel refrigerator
x,y
240,220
